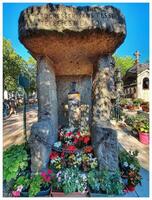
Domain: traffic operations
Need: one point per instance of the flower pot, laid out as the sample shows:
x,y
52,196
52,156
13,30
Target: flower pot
x,y
131,188
73,194
39,194
144,137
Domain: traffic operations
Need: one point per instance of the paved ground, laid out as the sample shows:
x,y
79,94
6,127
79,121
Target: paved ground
x,y
13,134
13,127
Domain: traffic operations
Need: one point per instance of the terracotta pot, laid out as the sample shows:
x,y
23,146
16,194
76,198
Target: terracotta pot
x,y
73,194
131,188
144,137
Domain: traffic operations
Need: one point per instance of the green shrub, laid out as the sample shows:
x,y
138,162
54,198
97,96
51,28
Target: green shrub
x,y
15,159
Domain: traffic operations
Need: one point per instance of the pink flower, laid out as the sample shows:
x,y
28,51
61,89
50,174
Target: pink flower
x,y
43,174
16,193
50,171
19,188
47,179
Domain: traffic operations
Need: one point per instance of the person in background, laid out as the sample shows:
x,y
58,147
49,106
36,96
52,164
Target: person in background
x,y
12,107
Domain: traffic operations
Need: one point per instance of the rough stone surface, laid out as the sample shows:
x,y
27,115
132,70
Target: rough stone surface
x,y
84,86
74,110
84,124
47,93
40,142
103,90
105,145
44,132
73,37
104,138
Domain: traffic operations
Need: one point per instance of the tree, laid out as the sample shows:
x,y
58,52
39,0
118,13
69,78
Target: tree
x,y
13,66
124,63
31,63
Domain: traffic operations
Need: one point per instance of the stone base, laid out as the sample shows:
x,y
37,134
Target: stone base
x,y
105,145
40,142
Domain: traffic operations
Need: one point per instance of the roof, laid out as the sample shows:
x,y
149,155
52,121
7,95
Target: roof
x,y
141,67
131,74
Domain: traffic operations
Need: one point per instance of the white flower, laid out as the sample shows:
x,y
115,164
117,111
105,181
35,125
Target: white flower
x,y
132,166
19,188
58,174
57,144
125,164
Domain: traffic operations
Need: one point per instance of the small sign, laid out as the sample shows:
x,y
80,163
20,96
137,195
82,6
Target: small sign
x,y
24,81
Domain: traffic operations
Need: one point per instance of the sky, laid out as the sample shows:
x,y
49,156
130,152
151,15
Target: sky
x,y
137,21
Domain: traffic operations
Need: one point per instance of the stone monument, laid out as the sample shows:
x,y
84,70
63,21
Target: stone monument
x,y
73,44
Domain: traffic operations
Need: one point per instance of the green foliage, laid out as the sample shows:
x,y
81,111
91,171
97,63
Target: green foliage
x,y
144,127
93,180
105,182
138,122
138,101
129,159
15,159
70,180
35,185
13,65
125,101
22,180
124,63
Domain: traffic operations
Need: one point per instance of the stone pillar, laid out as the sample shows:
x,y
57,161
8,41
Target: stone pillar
x,y
44,132
74,110
104,138
84,117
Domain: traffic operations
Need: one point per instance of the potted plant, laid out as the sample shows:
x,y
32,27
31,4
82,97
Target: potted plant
x,y
15,162
145,106
130,167
105,184
143,131
137,103
37,185
69,182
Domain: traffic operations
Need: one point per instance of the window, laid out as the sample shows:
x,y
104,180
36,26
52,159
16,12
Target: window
x,y
146,83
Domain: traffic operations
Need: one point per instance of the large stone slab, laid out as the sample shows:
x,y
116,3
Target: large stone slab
x,y
73,37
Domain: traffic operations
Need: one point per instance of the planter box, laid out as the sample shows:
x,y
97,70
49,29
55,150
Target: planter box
x,y
39,194
144,137
73,194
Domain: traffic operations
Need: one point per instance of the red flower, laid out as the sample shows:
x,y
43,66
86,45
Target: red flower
x,y
78,134
81,138
46,177
62,155
50,171
86,139
75,140
68,134
53,155
71,148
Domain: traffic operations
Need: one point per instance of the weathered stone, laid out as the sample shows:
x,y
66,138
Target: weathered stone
x,y
105,145
47,93
44,132
40,142
73,37
84,86
104,138
74,110
84,124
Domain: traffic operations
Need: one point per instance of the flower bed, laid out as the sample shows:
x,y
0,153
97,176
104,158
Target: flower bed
x,y
72,170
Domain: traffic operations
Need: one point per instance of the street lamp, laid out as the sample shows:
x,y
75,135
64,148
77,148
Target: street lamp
x,y
25,84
